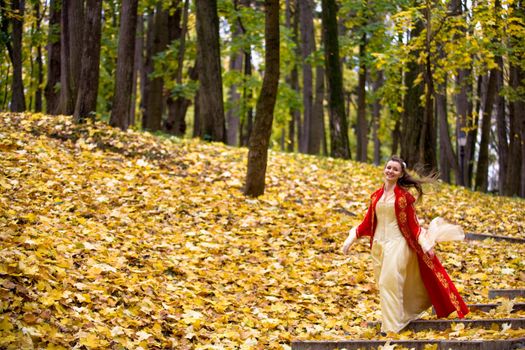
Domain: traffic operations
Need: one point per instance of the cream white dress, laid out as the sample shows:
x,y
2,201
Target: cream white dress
x,y
401,290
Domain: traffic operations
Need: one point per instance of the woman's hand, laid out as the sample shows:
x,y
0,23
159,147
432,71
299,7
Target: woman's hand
x,y
349,240
431,253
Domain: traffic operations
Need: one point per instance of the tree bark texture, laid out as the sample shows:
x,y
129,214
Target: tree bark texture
x,y
338,122
72,23
447,158
294,125
211,111
233,115
138,64
86,101
39,61
483,158
260,138
120,114
177,106
413,111
376,116
501,128
317,129
362,123
18,103
515,176
157,42
307,43
428,140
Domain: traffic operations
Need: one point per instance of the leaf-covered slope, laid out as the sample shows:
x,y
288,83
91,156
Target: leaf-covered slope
x,y
116,239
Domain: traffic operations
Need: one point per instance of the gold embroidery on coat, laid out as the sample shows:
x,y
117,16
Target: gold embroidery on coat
x,y
402,202
455,301
442,280
402,218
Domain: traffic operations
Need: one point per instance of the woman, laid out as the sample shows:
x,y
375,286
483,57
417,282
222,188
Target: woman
x,y
410,277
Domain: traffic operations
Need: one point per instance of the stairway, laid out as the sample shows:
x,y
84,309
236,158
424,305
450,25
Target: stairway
x,y
439,325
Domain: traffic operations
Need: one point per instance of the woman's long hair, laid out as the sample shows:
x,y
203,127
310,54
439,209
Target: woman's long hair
x,y
408,181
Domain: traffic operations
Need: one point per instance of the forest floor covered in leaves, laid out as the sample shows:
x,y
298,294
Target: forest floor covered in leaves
x,y
126,240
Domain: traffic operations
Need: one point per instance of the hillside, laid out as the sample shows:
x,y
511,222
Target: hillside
x,y
115,239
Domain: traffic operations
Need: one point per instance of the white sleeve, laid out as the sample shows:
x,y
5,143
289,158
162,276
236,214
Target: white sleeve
x,y
425,244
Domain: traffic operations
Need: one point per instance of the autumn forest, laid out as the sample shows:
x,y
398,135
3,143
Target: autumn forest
x,y
182,174
440,83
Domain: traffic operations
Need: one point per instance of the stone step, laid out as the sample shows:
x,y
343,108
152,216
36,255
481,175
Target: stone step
x,y
506,293
481,237
508,344
487,307
441,325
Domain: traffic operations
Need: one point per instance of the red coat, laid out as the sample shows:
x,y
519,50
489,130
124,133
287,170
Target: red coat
x,y
442,292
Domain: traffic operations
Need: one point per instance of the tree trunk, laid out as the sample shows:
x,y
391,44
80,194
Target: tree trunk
x,y
428,144
72,23
447,158
210,76
464,86
462,107
483,158
515,170
120,114
362,124
52,92
501,128
86,103
247,121
18,103
307,44
376,115
39,63
177,107
413,113
338,123
259,140
138,64
317,129
233,115
154,99
294,125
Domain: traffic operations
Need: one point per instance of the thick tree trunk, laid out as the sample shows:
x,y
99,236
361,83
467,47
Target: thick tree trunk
x,y
413,112
483,158
52,92
120,114
154,99
307,44
338,123
72,23
362,123
18,103
210,76
86,102
260,138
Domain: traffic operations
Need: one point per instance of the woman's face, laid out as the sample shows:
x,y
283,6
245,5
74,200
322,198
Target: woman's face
x,y
393,171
